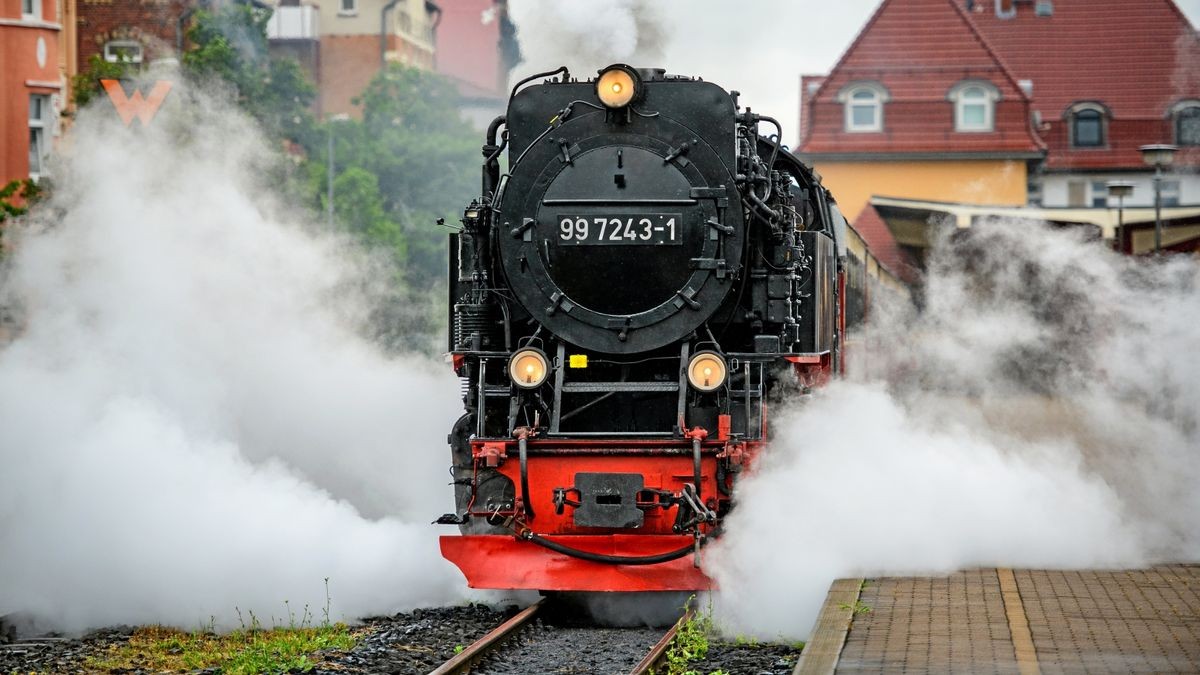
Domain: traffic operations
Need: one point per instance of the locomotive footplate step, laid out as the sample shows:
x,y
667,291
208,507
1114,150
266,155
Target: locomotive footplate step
x,y
1012,621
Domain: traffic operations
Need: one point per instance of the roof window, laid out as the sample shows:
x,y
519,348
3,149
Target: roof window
x,y
1088,125
974,106
1186,117
863,103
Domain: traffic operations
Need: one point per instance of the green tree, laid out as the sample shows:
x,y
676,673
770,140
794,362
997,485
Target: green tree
x,y
17,196
359,207
86,84
15,199
425,157
230,44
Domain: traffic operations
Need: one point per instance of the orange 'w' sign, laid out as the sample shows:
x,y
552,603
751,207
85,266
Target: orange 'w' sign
x,y
129,107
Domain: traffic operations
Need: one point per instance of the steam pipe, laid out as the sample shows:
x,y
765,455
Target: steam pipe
x,y
523,449
491,167
774,151
561,69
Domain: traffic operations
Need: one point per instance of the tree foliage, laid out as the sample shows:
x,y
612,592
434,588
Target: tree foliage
x,y
85,85
17,196
424,158
231,44
410,160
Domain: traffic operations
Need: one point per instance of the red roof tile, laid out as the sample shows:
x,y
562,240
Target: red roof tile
x,y
918,50
874,231
1136,58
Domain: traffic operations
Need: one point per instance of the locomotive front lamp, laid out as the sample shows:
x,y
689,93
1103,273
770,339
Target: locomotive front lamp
x,y
617,86
706,371
528,368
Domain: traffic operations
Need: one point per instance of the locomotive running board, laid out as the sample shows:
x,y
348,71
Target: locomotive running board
x,y
505,562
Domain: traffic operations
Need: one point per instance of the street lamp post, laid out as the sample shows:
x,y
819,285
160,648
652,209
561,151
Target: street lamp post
x,y
1158,155
1120,189
329,165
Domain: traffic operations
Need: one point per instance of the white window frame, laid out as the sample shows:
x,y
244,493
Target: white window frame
x,y
849,98
1086,107
1177,111
124,44
35,11
344,11
958,95
39,132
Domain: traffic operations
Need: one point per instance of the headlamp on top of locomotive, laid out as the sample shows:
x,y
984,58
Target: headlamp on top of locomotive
x,y
618,86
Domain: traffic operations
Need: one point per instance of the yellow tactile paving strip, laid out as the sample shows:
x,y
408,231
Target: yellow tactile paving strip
x,y
1018,623
1023,621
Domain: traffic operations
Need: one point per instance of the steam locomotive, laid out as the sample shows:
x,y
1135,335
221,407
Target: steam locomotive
x,y
625,297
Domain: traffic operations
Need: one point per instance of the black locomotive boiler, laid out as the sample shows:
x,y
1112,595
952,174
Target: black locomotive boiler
x,y
625,295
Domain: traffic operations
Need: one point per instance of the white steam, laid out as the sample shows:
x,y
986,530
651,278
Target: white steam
x,y
191,420
1041,410
586,36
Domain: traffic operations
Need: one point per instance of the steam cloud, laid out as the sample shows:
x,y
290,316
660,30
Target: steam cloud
x,y
191,420
1042,410
586,36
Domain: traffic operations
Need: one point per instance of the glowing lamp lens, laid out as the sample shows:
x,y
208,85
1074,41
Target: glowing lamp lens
x,y
616,87
706,371
528,368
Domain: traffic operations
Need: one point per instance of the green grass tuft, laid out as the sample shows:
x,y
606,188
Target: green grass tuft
x,y
242,652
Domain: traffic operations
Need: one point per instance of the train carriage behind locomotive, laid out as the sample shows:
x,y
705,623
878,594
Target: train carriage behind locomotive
x,y
623,299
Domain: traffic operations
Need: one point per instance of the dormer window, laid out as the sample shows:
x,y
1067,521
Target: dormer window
x,y
1087,123
864,106
974,106
1186,116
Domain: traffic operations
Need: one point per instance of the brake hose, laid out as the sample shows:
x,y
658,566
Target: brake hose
x,y
611,559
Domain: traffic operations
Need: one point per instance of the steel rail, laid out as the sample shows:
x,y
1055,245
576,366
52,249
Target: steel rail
x,y
653,661
472,655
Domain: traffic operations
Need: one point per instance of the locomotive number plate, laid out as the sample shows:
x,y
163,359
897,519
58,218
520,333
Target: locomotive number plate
x,y
650,228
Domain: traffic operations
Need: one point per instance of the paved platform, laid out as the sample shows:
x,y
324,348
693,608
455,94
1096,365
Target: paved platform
x,y
1011,621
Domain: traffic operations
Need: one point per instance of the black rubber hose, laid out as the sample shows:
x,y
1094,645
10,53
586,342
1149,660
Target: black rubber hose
x,y
561,69
523,449
611,559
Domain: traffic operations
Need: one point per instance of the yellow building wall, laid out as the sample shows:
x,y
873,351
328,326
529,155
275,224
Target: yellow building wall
x,y
987,182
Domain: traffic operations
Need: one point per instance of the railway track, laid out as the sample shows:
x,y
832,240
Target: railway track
x,y
521,646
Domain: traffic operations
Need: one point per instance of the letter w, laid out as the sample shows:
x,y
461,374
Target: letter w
x,y
135,106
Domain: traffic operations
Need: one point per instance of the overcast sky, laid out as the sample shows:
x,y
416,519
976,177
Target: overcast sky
x,y
757,47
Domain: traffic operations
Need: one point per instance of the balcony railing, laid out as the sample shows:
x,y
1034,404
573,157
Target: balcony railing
x,y
294,23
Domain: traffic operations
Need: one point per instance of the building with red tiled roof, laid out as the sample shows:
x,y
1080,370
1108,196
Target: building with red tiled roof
x,y
1107,77
1007,103
920,105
